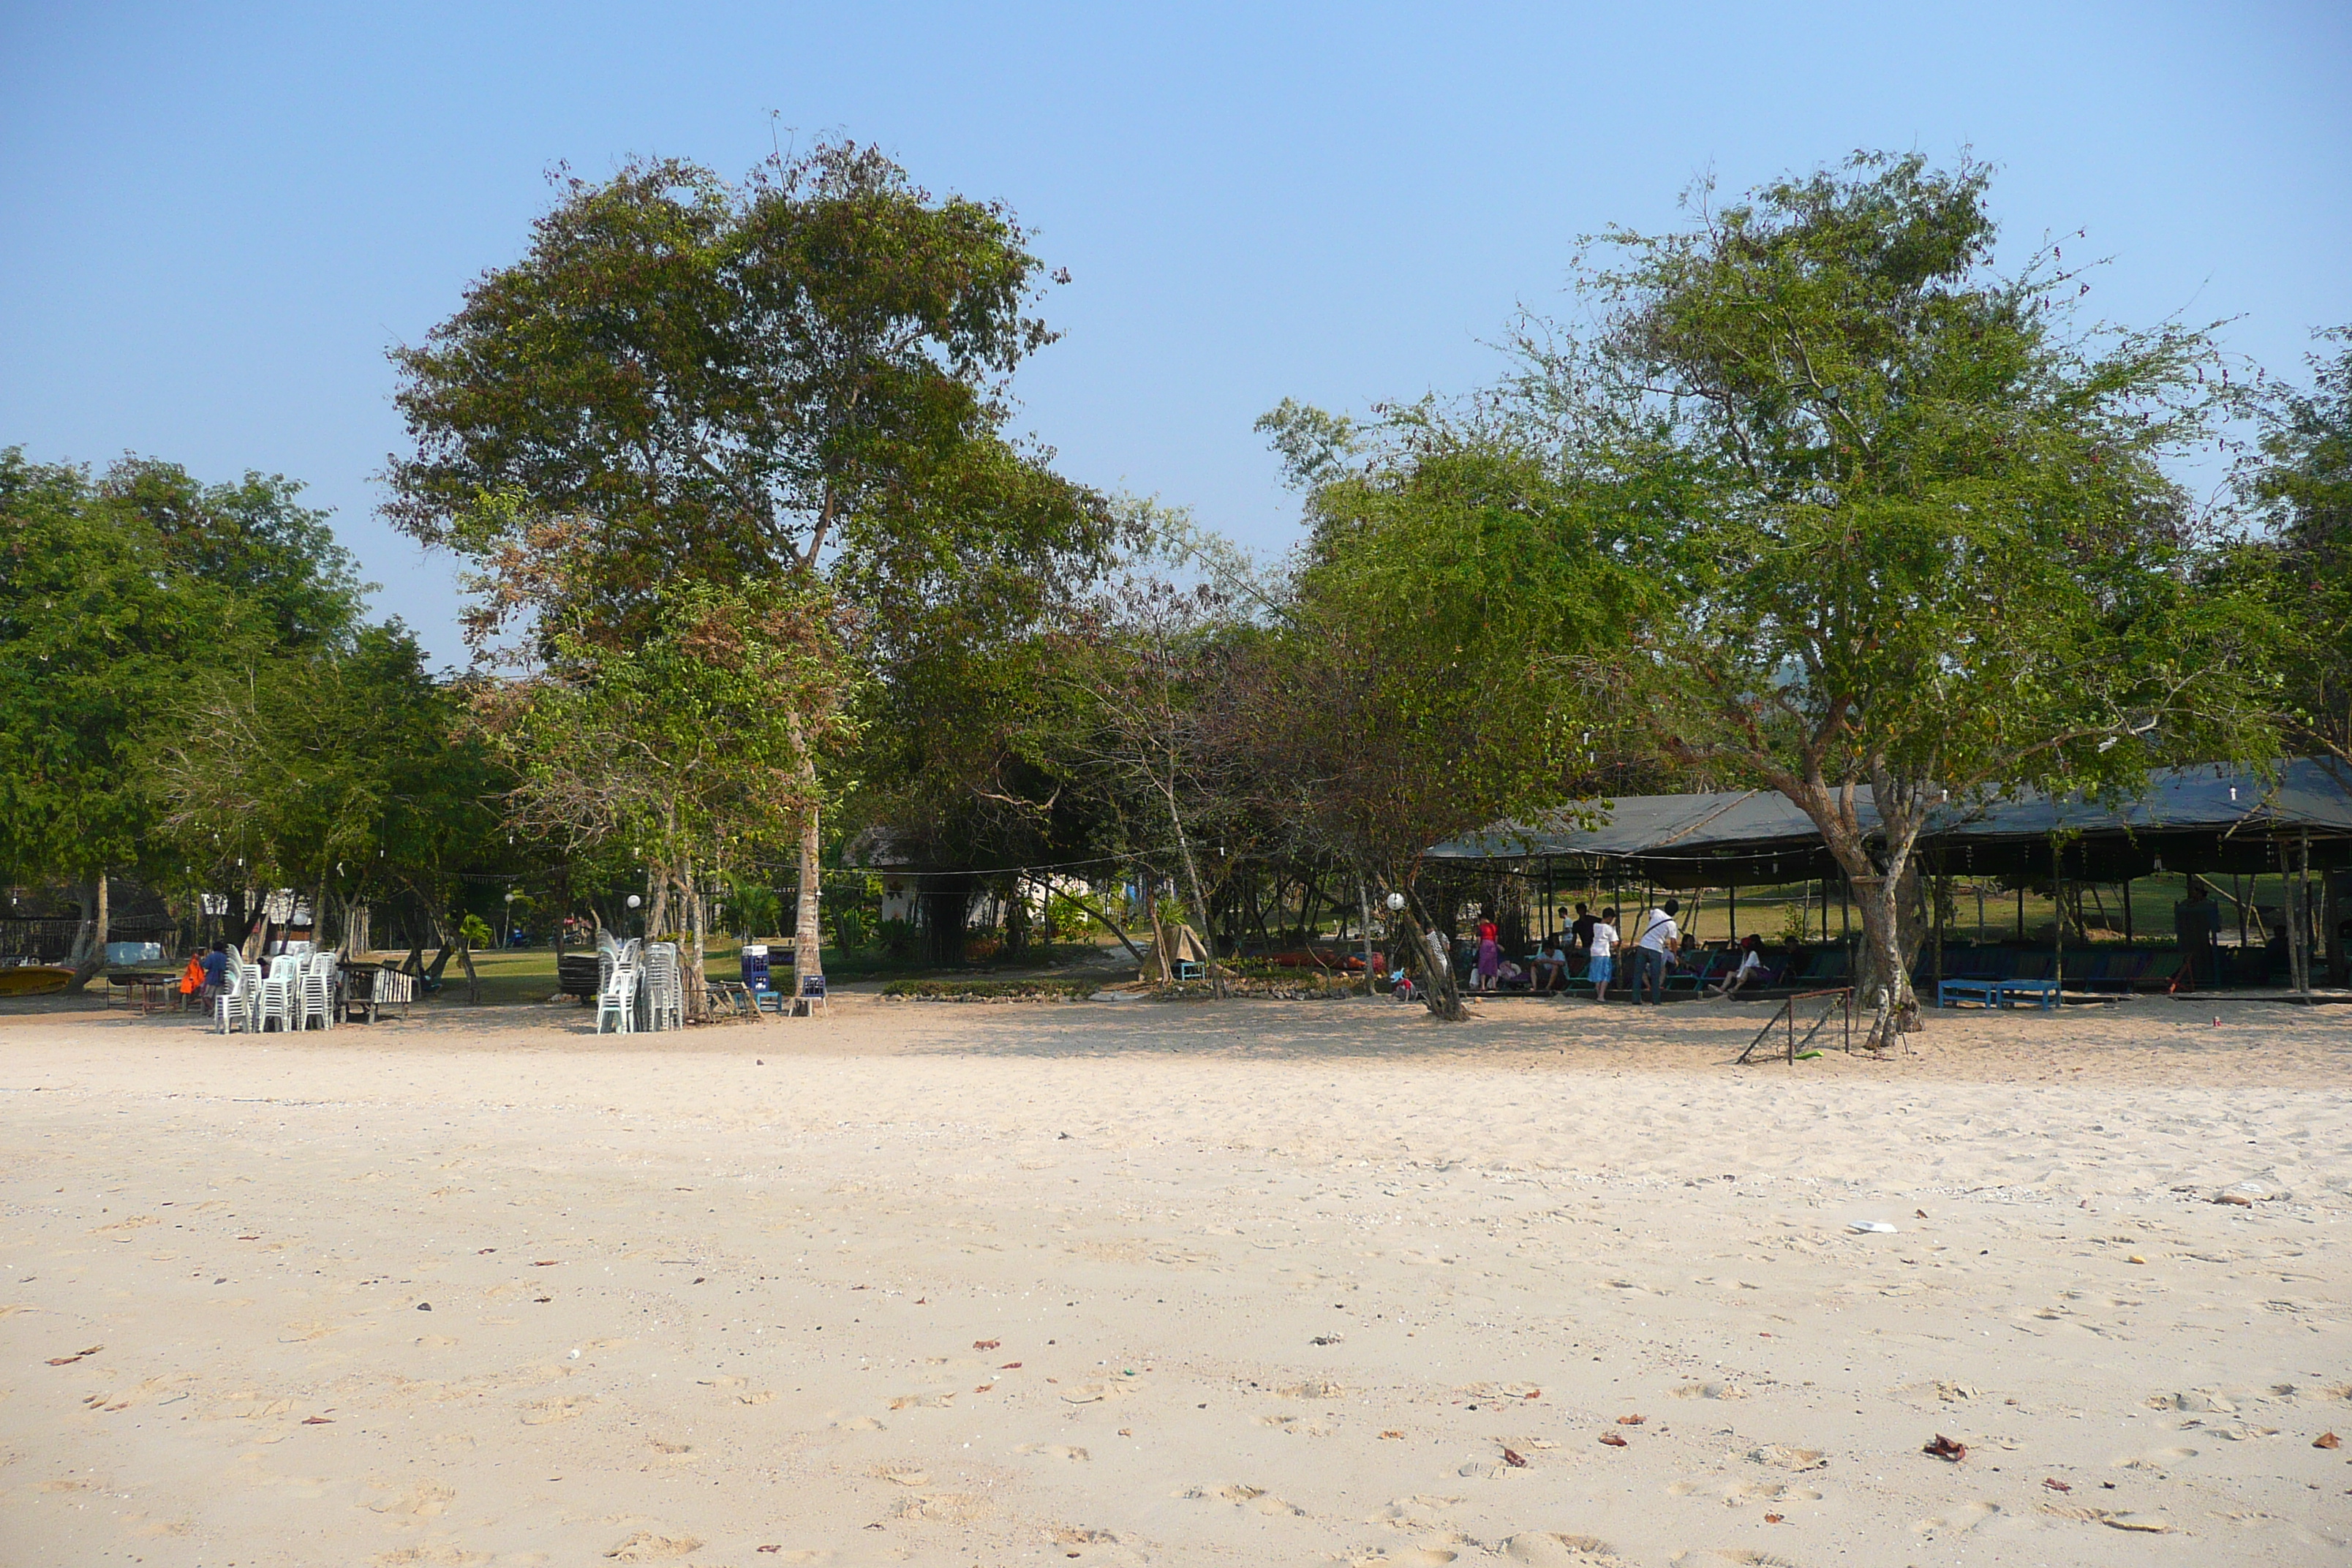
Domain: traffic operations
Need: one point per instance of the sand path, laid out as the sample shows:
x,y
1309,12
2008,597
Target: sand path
x,y
1117,1283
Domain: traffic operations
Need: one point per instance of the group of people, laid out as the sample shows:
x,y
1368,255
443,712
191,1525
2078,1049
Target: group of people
x,y
1656,947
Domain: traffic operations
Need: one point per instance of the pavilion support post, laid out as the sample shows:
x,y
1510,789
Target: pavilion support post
x,y
2128,918
2058,926
1937,886
1731,908
2299,913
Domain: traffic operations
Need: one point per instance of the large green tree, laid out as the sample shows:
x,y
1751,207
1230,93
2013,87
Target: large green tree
x,y
781,381
337,769
2299,482
121,599
1913,523
686,745
1427,668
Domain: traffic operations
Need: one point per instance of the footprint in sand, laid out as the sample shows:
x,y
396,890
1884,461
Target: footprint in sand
x,y
1095,1546
1056,1451
1709,1390
2154,1460
1734,1554
858,1424
438,1555
1256,1499
1551,1549
1781,1456
1416,1512
548,1412
1437,1550
1969,1516
422,1502
905,1475
945,1508
1743,1492
645,1546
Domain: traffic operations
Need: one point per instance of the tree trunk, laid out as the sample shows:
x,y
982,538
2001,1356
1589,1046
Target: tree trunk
x,y
656,903
1016,923
1158,929
1364,910
90,939
1877,890
1192,873
473,980
1444,997
807,949
1101,912
690,969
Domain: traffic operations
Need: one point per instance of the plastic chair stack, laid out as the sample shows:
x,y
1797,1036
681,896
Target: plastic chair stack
x,y
665,988
281,994
315,997
237,1005
616,996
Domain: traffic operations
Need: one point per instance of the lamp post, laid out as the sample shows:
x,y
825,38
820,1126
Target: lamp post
x,y
505,921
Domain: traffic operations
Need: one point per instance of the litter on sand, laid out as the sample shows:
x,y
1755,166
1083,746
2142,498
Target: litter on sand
x,y
1871,1228
1947,1450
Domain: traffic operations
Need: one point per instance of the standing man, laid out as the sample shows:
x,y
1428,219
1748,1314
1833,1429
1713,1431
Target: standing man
x,y
1580,931
1659,936
2196,926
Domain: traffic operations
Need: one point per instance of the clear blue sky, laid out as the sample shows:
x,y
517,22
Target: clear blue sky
x,y
214,219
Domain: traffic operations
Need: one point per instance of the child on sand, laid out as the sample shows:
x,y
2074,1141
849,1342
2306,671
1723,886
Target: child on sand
x,y
1603,948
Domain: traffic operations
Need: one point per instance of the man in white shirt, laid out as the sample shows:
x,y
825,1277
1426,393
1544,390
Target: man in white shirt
x,y
1659,936
1603,946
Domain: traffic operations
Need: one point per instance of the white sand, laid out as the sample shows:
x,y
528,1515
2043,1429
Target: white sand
x,y
960,1285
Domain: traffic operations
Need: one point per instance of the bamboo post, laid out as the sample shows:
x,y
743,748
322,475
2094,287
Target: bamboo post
x,y
2300,945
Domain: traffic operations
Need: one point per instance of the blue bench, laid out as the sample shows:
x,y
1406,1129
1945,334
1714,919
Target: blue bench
x,y
1992,993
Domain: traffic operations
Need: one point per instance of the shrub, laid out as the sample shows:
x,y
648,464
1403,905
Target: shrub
x,y
991,990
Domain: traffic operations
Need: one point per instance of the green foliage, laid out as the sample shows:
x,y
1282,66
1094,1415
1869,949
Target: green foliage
x,y
473,932
757,909
686,745
121,601
727,380
334,767
2300,484
853,927
991,990
1916,536
897,939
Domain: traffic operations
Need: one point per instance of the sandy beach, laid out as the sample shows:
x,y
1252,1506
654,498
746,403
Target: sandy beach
x,y
1259,1283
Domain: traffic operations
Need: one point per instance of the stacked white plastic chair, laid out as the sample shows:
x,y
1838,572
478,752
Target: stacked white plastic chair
x,y
234,1008
665,990
315,995
281,994
616,997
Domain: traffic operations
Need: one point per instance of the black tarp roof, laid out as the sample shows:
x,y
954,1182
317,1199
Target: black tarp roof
x,y
2209,818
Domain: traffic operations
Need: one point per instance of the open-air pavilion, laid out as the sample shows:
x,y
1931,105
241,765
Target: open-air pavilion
x,y
2211,821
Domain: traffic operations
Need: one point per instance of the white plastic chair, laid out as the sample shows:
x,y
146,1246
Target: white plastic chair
x,y
665,989
617,998
281,994
234,1008
316,996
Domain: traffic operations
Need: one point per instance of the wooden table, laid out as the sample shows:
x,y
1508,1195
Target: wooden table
x,y
153,992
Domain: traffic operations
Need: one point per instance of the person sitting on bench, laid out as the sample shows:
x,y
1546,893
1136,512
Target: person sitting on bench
x,y
1751,966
